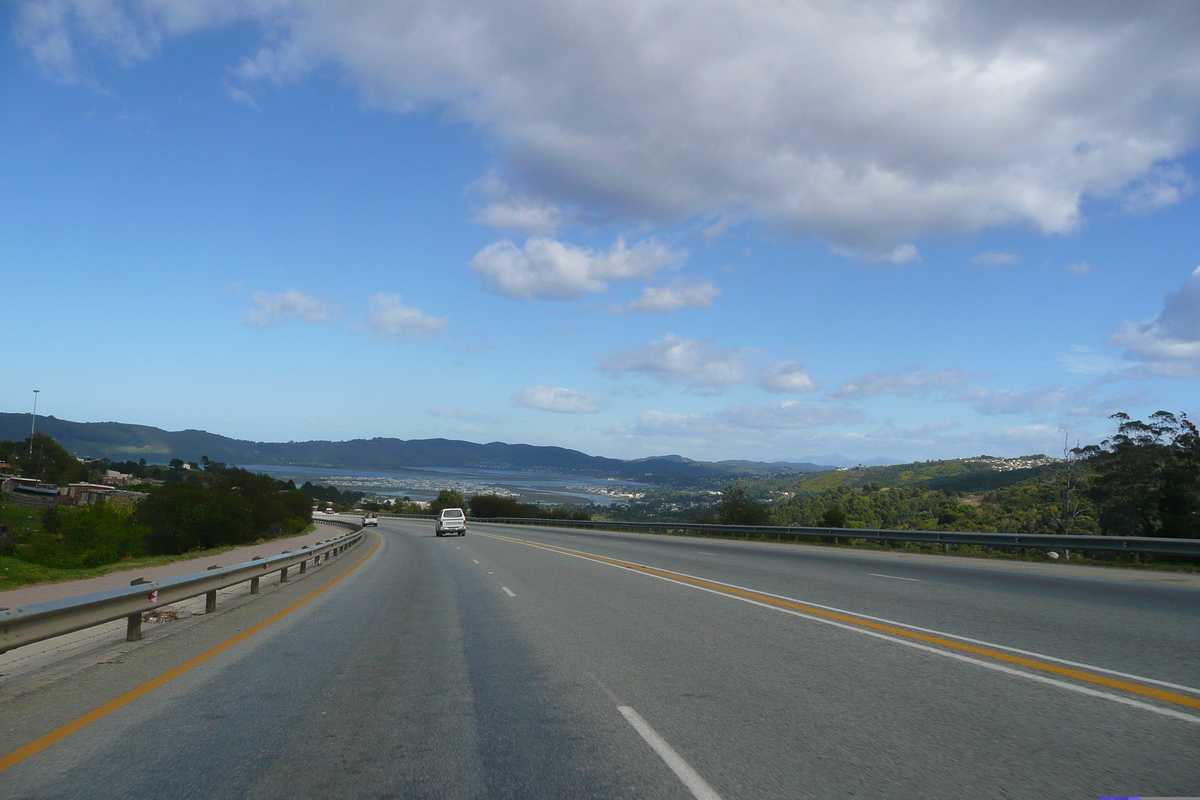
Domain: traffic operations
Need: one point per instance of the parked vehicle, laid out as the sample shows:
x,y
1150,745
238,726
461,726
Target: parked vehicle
x,y
451,522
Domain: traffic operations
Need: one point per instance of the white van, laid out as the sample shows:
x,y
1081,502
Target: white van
x,y
451,522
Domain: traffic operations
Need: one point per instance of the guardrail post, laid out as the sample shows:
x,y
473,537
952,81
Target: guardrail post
x,y
283,572
210,598
303,566
254,581
133,623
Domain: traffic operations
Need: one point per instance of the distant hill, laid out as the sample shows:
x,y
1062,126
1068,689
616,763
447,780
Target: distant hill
x,y
122,441
977,474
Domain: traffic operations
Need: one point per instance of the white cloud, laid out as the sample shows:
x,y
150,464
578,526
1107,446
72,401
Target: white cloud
x,y
547,269
672,359
913,383
866,123
389,318
751,418
873,251
1169,343
1162,186
525,216
241,96
787,376
563,401
461,414
1038,400
1083,360
787,414
902,254
994,258
674,296
271,309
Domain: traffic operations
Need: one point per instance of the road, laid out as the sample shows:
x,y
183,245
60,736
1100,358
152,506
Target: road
x,y
521,662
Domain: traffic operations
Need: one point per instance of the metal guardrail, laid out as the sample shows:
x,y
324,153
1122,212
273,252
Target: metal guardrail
x,y
33,623
1141,545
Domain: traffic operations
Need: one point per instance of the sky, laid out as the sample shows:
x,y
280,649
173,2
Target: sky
x,y
810,230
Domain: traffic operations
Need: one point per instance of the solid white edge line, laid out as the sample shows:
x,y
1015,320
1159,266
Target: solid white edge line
x,y
915,645
690,778
893,577
508,591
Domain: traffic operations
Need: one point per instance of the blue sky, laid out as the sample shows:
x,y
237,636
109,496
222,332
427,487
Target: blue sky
x,y
828,231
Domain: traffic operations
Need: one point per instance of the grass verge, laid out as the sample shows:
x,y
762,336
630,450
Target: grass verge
x,y
15,573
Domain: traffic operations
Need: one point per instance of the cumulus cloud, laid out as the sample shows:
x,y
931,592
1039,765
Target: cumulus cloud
x,y
993,258
1168,344
787,376
913,383
547,269
676,295
272,309
866,123
389,318
557,399
672,359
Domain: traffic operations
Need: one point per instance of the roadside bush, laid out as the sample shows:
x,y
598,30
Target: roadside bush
x,y
90,536
232,507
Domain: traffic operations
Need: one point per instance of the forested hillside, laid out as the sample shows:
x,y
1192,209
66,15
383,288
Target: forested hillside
x,y
1142,481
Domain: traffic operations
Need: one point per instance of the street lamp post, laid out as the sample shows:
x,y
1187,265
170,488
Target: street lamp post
x,y
33,426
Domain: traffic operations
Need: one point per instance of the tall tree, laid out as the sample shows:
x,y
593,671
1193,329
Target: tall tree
x,y
1146,478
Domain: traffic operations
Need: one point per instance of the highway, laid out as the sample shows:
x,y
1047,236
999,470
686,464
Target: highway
x,y
523,662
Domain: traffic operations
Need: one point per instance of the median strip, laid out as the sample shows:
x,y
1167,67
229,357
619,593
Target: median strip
x,y
938,645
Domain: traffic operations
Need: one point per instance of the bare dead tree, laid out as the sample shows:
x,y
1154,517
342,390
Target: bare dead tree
x,y
1068,482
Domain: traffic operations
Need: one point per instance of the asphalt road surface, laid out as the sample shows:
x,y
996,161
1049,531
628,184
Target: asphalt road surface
x,y
521,662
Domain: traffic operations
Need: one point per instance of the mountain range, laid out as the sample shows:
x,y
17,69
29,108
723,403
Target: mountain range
x,y
119,441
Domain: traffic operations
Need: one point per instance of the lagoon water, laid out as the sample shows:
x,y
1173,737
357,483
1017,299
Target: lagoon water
x,y
423,483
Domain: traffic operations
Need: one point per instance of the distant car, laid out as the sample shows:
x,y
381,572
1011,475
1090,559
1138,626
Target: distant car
x,y
451,522
369,519
329,510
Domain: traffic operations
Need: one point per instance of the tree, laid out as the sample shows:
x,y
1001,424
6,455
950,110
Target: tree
x,y
834,517
488,506
1146,478
447,498
1068,488
46,460
736,508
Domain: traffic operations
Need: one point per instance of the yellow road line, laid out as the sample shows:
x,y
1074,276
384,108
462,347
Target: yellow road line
x,y
58,734
1028,663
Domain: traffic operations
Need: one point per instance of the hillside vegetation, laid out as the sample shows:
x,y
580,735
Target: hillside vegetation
x,y
1142,481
